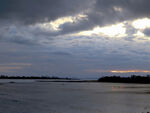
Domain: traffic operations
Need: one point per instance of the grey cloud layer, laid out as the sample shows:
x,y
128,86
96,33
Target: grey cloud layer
x,y
105,12
58,53
32,11
99,12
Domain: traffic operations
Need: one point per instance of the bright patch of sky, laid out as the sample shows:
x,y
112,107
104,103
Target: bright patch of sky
x,y
55,25
141,23
117,30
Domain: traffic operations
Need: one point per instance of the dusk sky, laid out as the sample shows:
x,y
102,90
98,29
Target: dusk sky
x,y
74,38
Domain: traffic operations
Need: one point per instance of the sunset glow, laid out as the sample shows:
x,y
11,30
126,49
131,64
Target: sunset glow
x,y
130,71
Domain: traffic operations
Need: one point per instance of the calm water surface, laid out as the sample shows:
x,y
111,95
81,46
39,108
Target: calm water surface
x,y
48,97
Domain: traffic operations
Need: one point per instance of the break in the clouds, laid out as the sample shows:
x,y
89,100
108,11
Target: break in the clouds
x,y
80,38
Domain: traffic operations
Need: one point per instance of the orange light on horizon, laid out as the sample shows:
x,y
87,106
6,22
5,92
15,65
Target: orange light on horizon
x,y
130,71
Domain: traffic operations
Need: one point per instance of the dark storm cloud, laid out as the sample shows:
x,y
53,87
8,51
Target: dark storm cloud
x,y
99,12
105,12
119,10
147,32
32,11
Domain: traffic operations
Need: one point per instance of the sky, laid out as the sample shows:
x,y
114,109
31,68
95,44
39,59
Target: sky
x,y
74,38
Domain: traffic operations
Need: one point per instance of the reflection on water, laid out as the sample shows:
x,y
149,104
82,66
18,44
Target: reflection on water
x,y
46,97
117,88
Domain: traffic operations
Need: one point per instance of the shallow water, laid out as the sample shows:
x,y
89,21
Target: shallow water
x,y
49,97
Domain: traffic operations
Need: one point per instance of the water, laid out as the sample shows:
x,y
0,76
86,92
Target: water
x,y
48,97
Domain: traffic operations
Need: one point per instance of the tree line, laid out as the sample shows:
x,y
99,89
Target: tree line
x,y
131,79
31,77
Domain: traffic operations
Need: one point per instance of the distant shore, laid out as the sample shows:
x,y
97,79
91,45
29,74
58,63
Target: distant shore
x,y
75,81
132,79
108,79
32,77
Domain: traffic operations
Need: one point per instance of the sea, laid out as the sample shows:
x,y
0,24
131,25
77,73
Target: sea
x,y
34,96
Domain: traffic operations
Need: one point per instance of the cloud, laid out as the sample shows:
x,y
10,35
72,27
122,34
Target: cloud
x,y
141,24
9,69
130,71
69,37
12,67
16,64
107,12
35,11
99,12
61,53
55,18
147,32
